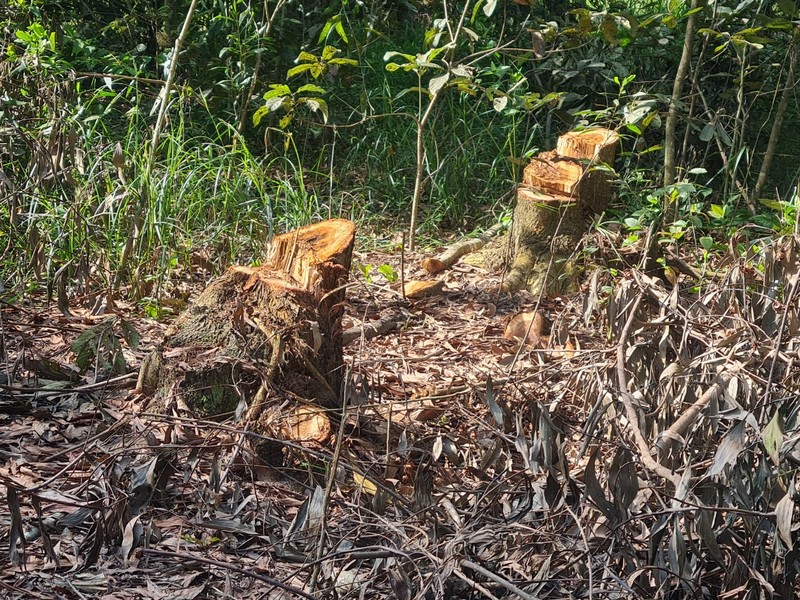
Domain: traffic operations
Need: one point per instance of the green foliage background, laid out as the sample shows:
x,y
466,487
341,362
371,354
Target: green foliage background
x,y
80,84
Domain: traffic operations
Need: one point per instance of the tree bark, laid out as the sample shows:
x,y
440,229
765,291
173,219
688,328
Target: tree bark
x,y
775,134
557,194
672,117
265,339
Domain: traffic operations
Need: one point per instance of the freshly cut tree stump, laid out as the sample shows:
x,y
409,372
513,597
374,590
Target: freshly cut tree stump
x,y
547,229
561,189
599,145
551,173
266,336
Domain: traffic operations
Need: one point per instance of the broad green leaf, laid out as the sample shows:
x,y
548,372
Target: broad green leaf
x,y
296,70
329,52
310,87
789,7
286,120
260,114
634,128
306,57
278,89
707,243
716,211
391,67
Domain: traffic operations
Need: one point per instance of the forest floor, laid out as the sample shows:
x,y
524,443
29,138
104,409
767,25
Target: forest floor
x,y
470,465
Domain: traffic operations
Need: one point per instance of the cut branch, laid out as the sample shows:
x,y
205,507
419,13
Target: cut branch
x,y
451,255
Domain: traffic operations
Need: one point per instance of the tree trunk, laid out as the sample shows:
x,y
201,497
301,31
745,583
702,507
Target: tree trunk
x,y
777,124
559,190
265,338
673,114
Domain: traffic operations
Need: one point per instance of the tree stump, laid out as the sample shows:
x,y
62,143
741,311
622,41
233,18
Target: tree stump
x,y
264,339
560,189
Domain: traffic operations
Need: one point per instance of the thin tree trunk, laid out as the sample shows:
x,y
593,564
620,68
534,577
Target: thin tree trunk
x,y
138,218
173,68
775,134
672,117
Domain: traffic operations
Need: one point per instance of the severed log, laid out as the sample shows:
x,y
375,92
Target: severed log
x,y
449,257
416,290
374,328
256,337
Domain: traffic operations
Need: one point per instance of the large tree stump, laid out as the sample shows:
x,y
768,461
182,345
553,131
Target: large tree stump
x,y
265,338
559,191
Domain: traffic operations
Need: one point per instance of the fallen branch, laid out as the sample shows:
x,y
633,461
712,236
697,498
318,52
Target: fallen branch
x,y
675,432
375,328
630,412
449,257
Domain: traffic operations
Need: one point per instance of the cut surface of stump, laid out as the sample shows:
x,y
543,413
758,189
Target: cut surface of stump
x,y
561,189
257,336
548,172
595,144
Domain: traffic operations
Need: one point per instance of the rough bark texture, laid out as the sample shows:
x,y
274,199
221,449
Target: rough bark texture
x,y
560,190
266,338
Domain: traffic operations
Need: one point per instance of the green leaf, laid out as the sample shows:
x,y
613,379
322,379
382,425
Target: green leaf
x,y
340,30
323,35
286,120
389,272
391,54
310,87
306,57
415,89
343,61
716,211
296,70
788,7
706,242
260,114
329,52
634,128
278,89
391,67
